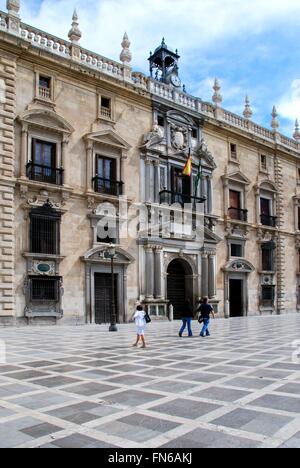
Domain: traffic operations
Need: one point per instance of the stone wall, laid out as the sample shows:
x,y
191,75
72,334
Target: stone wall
x,y
7,163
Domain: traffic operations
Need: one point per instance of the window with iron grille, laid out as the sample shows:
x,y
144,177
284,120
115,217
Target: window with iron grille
x,y
45,230
268,257
45,289
268,295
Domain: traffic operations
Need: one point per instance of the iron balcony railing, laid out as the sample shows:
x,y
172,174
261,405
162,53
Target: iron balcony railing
x,y
238,214
107,186
267,220
170,198
46,174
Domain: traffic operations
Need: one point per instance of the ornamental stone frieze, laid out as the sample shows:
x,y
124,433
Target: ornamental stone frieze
x,y
179,137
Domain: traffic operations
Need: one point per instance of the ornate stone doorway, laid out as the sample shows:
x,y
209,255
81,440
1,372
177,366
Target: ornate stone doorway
x,y
236,297
179,285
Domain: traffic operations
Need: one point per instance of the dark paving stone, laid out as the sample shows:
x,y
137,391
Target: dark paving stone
x,y
221,394
200,377
76,441
253,421
37,364
129,380
128,368
148,422
41,430
281,403
159,372
65,369
293,442
202,438
249,383
27,375
293,388
55,381
267,373
185,408
288,366
170,386
132,398
245,363
90,389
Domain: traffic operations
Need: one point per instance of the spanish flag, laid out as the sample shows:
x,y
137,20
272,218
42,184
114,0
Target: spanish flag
x,y
187,171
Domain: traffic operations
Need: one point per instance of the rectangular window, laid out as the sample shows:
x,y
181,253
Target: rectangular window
x,y
160,121
44,87
106,176
268,295
45,289
163,179
44,235
106,107
181,186
195,133
236,250
42,167
235,206
263,162
265,206
233,151
267,260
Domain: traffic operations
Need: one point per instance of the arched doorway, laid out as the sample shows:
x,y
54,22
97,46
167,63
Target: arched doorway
x,y
179,285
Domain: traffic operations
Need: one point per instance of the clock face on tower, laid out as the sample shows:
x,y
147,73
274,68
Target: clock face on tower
x,y
175,80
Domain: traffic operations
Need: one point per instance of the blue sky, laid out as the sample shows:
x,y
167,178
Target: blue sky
x,y
252,46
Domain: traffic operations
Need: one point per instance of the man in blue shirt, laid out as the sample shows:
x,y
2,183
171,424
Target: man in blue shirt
x,y
205,311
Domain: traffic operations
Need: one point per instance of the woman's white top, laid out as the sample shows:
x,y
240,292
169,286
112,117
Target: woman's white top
x,y
139,318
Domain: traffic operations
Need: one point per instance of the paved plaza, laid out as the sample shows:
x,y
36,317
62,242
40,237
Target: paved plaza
x,y
84,387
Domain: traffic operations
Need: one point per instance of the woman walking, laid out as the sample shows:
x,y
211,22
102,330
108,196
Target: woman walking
x,y
187,316
140,322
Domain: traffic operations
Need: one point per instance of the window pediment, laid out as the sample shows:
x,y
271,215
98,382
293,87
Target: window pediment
x,y
268,186
47,119
239,266
237,177
108,138
97,255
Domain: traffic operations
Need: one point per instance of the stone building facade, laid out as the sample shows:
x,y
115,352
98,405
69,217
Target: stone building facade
x,y
86,143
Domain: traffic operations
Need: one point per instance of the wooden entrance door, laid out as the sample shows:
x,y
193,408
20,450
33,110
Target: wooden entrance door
x,y
103,298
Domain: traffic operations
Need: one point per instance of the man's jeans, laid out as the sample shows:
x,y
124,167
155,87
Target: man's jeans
x,y
205,330
186,322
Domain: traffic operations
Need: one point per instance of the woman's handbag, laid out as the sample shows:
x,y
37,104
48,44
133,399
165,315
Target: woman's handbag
x,y
147,318
201,320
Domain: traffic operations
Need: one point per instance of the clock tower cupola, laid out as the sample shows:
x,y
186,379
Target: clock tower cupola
x,y
164,65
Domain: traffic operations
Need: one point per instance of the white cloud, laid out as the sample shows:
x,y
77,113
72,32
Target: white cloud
x,y
289,104
189,25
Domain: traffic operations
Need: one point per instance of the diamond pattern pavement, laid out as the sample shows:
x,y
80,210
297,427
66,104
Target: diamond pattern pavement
x,y
85,387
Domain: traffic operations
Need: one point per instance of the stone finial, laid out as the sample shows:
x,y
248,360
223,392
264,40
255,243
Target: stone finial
x,y
275,122
296,135
75,33
126,55
13,7
248,113
217,97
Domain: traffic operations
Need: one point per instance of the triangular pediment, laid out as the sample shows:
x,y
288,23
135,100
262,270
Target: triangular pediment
x,y
210,237
238,177
98,255
109,138
46,118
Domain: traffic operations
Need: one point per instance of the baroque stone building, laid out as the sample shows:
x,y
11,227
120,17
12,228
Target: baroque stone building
x,y
86,143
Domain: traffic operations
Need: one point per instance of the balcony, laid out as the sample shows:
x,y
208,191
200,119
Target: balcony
x,y
267,220
45,174
170,198
238,214
45,93
107,186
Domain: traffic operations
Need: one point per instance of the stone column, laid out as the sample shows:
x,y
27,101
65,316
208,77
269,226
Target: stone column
x,y
63,164
89,166
257,204
149,267
158,273
148,163
24,150
204,275
211,276
156,181
122,172
209,195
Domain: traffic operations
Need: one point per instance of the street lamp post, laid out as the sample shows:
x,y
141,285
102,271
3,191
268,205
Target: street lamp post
x,y
110,253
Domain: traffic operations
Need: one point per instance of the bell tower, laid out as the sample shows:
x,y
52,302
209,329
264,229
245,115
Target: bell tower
x,y
164,63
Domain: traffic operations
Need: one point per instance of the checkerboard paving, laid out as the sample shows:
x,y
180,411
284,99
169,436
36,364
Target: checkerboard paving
x,y
85,387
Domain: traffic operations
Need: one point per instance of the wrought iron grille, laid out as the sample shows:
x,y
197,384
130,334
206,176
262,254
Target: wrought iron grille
x,y
238,214
45,289
46,174
45,231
